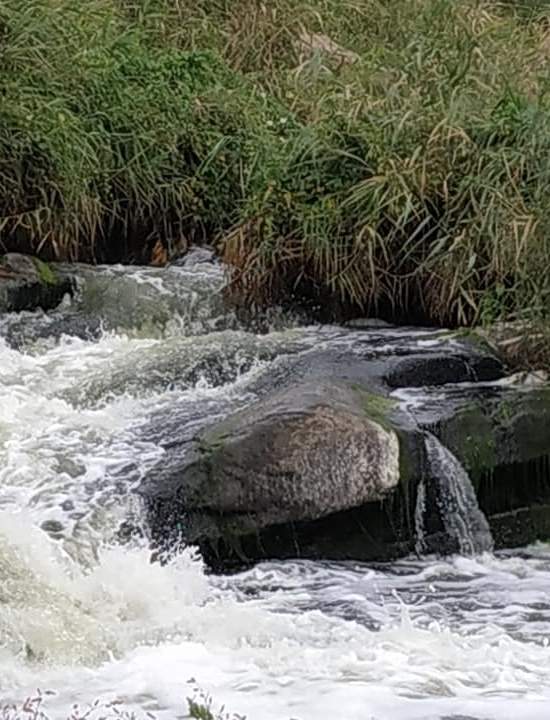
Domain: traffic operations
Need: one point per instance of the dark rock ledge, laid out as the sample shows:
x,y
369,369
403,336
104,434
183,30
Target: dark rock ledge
x,y
27,283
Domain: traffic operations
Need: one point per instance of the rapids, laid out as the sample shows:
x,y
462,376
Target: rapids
x,y
88,617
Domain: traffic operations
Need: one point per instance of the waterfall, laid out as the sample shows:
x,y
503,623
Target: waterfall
x,y
460,513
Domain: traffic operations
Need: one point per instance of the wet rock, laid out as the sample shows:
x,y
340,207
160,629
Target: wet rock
x,y
518,527
489,427
197,256
180,362
442,369
27,283
366,323
303,454
501,435
52,527
24,330
148,299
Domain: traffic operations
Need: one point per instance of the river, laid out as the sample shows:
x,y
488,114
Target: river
x,y
89,617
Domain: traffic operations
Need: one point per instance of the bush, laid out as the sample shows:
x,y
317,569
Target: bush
x,y
105,139
418,191
389,158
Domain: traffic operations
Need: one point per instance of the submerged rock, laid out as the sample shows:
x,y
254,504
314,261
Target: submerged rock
x,y
27,283
24,330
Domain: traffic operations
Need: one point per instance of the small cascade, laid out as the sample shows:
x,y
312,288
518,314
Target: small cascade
x,y
419,514
460,513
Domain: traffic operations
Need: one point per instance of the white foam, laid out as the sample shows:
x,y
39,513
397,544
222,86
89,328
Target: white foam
x,y
426,638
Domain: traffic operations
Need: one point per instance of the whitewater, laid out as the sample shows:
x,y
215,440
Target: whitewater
x,y
86,614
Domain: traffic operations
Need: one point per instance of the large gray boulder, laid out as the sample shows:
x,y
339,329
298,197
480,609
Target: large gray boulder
x,y
302,454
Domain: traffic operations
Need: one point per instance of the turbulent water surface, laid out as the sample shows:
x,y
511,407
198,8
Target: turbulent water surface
x,y
90,618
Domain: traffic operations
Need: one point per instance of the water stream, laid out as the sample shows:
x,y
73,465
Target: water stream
x,y
88,618
462,518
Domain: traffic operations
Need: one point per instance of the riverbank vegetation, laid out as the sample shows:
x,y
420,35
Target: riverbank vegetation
x,y
390,158
200,707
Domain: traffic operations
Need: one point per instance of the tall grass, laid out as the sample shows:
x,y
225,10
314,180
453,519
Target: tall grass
x,y
418,184
104,137
369,156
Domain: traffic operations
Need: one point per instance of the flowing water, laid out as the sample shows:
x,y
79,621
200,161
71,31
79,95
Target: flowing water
x,y
462,518
88,618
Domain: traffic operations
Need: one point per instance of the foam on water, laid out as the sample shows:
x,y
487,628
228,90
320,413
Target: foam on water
x,y
56,612
286,640
88,617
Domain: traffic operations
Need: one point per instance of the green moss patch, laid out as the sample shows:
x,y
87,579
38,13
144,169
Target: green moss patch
x,y
45,272
376,407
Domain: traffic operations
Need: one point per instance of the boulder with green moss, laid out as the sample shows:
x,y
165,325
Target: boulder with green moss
x,y
27,283
501,434
303,454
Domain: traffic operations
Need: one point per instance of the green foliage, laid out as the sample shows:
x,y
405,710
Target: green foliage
x,y
201,708
385,157
102,134
200,711
420,191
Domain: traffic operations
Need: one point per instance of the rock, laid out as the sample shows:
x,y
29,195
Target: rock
x,y
303,454
27,283
490,428
150,298
22,265
439,369
366,323
501,435
197,255
22,330
53,527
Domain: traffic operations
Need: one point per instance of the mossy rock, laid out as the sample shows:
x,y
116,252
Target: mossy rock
x,y
376,406
46,273
28,283
510,426
305,452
